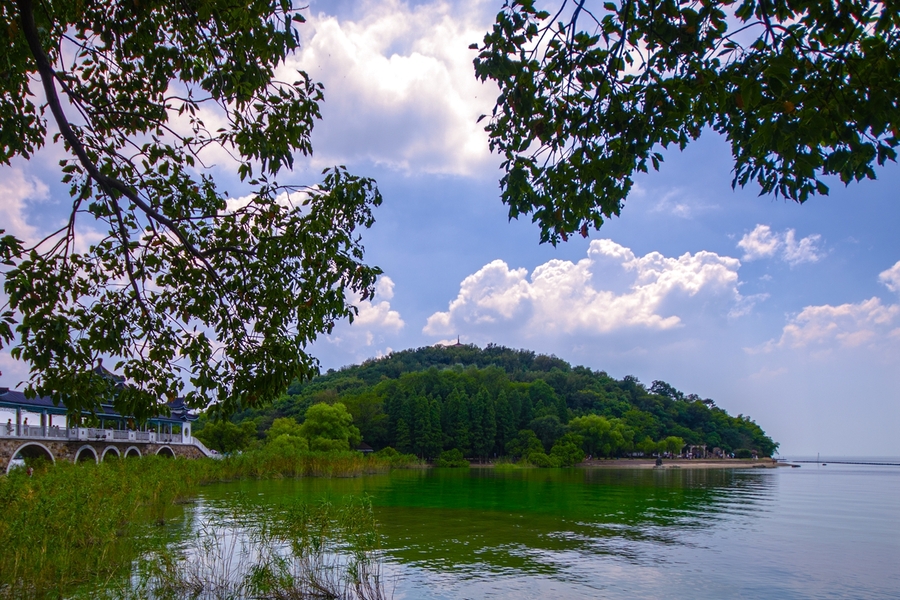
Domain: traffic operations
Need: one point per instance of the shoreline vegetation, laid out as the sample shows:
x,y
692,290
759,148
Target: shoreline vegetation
x,y
75,530
491,402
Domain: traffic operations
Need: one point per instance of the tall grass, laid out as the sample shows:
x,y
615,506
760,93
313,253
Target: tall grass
x,y
326,550
70,526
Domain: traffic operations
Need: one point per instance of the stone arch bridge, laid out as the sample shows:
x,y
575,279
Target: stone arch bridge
x,y
81,448
112,435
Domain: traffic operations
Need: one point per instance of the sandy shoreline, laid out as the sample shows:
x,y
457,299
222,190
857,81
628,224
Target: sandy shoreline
x,y
683,463
678,463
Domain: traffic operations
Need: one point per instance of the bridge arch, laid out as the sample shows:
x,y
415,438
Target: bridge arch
x,y
31,450
132,452
165,451
110,450
86,452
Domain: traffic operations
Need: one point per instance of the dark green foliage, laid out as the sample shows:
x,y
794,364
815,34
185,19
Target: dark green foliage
x,y
524,444
183,284
433,399
591,91
548,429
451,458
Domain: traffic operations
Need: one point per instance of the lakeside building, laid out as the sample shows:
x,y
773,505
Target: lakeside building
x,y
91,435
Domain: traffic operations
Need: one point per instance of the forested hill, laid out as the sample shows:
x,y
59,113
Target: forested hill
x,y
486,401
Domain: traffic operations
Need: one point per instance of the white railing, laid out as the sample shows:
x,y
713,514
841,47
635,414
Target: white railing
x,y
91,434
57,432
96,434
204,449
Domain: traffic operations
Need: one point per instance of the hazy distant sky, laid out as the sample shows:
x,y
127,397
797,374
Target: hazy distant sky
x,y
787,313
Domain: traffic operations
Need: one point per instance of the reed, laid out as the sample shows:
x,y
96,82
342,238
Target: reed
x,y
70,526
294,551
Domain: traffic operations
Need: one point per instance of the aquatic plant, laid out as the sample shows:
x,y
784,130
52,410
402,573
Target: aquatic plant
x,y
325,550
69,524
72,525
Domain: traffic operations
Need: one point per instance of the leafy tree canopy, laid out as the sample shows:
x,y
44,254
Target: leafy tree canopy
x,y
184,282
284,426
226,436
591,92
329,427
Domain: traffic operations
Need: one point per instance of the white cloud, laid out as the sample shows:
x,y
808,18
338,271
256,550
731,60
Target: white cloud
x,y
891,277
678,203
373,314
384,288
399,86
375,319
561,297
805,250
762,242
759,243
847,325
16,190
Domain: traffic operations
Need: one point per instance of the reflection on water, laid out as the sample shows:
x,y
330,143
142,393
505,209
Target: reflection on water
x,y
523,521
604,533
568,533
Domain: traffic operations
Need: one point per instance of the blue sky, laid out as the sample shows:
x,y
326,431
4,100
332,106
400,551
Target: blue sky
x,y
787,313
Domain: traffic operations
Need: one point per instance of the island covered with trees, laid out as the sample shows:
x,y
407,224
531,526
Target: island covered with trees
x,y
451,402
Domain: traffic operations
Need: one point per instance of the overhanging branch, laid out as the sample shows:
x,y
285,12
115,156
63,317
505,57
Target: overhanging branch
x,y
108,184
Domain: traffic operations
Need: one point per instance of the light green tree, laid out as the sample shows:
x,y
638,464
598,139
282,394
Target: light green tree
x,y
567,450
673,444
593,429
284,426
330,427
227,437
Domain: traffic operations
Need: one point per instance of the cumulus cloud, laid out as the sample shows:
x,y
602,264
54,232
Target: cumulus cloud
x,y
399,86
759,243
377,313
762,242
847,325
891,277
868,323
611,289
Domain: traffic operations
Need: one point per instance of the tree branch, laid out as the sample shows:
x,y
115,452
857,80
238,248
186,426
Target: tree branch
x,y
48,76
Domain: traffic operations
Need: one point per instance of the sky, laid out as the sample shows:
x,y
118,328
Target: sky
x,y
787,313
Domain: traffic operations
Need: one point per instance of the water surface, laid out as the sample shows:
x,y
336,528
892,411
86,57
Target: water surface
x,y
811,532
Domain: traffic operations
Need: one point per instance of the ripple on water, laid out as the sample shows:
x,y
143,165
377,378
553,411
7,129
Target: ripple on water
x,y
779,533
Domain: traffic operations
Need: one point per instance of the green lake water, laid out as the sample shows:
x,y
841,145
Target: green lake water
x,y
811,532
